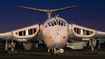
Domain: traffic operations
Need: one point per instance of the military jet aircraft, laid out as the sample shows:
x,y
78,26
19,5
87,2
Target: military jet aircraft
x,y
56,33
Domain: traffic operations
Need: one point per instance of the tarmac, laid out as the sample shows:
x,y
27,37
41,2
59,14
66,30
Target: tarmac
x,y
66,55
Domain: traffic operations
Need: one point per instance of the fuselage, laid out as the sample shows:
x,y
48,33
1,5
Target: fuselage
x,y
55,32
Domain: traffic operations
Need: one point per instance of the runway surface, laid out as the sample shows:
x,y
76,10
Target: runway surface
x,y
72,55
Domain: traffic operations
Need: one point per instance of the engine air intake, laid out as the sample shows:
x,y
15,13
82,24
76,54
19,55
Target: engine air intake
x,y
82,31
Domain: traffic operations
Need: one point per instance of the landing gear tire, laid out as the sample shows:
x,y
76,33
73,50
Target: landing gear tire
x,y
89,52
15,52
52,53
12,52
93,52
57,54
93,45
9,52
96,52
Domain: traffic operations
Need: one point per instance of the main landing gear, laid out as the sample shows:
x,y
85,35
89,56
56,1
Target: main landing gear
x,y
93,46
10,45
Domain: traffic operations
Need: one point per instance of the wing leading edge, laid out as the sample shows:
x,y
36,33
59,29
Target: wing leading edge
x,y
23,33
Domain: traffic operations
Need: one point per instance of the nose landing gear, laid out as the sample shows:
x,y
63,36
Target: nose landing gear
x,y
56,52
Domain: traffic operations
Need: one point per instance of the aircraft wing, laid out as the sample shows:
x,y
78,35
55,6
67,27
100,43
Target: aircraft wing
x,y
79,33
80,36
23,34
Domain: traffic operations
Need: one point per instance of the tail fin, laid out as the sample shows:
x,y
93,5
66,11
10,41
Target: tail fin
x,y
47,11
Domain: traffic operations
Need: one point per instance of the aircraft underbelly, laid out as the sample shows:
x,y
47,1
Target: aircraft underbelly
x,y
57,43
72,36
32,39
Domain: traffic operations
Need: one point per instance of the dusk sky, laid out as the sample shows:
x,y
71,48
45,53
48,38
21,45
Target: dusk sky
x,y
89,13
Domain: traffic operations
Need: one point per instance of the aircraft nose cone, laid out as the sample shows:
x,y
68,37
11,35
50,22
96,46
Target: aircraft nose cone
x,y
57,43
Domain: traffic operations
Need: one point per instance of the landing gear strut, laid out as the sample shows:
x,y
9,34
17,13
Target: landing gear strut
x,y
11,45
56,52
52,51
93,46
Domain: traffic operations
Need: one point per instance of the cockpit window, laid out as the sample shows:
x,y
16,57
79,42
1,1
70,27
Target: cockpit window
x,y
49,25
57,22
54,23
62,21
61,24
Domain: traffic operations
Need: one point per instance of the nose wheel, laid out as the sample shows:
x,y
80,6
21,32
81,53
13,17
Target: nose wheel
x,y
52,51
56,52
